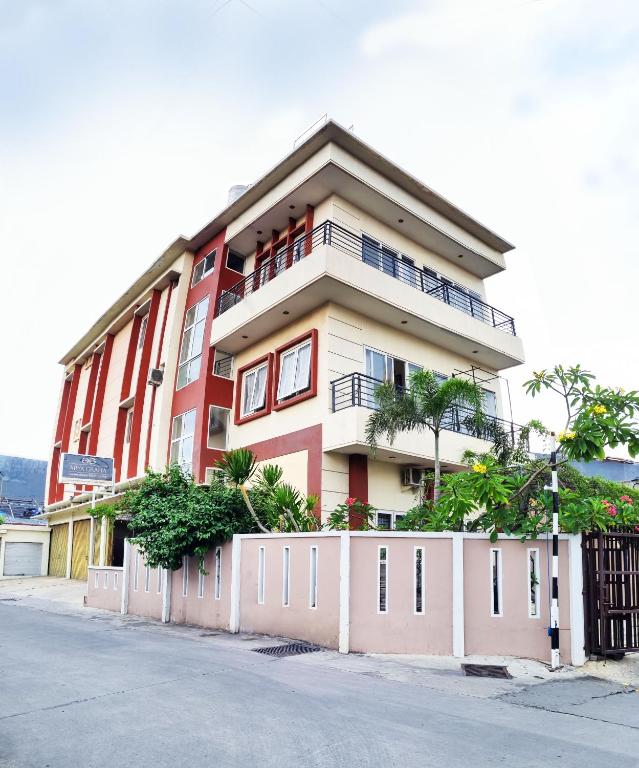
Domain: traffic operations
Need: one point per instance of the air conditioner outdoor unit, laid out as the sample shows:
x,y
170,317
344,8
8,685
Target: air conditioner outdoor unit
x,y
412,476
156,376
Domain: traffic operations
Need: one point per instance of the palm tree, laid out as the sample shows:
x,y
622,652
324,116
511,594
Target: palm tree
x,y
239,466
424,405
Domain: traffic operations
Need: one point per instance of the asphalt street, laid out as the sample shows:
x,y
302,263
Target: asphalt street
x,y
100,690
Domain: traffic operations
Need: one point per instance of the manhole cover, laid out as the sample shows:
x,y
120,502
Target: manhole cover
x,y
486,670
292,649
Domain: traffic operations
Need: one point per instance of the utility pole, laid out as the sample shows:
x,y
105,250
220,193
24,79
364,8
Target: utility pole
x,y
553,629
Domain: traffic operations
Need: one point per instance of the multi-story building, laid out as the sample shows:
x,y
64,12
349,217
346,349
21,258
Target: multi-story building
x,y
270,328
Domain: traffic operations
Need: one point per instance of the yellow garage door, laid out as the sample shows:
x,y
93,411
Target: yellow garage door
x,y
80,551
58,550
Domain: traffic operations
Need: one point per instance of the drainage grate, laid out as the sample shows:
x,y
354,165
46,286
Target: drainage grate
x,y
486,670
291,649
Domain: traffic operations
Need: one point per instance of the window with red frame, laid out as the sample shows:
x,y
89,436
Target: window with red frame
x,y
295,371
254,383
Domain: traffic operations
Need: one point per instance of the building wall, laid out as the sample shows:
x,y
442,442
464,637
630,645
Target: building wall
x,y
104,588
26,534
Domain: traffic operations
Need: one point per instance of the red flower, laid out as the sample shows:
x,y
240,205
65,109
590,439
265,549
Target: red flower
x,y
637,528
350,501
612,510
627,499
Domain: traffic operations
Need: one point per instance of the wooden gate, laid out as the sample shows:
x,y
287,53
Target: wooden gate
x,y
611,592
80,551
58,550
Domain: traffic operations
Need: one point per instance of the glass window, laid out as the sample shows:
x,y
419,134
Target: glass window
x,y
203,268
223,364
235,261
295,371
129,425
142,334
192,340
218,427
254,390
182,440
384,521
489,402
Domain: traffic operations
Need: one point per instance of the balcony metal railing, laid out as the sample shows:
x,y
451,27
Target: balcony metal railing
x,y
374,254
358,389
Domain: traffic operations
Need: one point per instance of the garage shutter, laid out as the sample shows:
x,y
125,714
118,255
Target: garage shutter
x,y
22,558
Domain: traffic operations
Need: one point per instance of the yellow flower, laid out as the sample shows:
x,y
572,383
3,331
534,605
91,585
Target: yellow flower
x,y
566,436
599,409
481,468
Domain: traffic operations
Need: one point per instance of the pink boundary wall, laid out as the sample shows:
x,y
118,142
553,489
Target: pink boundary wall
x,y
457,616
104,588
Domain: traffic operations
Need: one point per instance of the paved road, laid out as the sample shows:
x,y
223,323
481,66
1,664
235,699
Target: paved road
x,y
100,690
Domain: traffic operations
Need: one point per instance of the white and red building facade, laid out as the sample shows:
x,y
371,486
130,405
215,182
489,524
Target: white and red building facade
x,y
271,327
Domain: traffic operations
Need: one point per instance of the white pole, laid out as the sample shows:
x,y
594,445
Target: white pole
x,y
555,661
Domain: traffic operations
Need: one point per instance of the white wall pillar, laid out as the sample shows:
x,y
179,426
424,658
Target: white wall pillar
x,y
103,539
69,545
236,551
167,585
126,577
576,584
344,591
458,594
91,541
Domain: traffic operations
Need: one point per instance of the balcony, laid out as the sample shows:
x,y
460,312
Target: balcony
x,y
352,399
372,279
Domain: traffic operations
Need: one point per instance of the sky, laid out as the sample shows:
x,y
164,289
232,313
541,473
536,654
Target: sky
x,y
124,123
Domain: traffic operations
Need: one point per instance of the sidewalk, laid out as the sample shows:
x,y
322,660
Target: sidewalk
x,y
56,595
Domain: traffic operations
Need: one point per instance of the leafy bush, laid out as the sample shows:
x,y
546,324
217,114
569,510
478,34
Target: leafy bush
x,y
172,517
342,516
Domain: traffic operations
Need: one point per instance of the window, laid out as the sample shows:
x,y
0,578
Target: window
x,y
200,584
147,579
142,334
129,424
386,521
218,573
213,475
77,427
235,261
223,364
295,371
382,580
489,402
203,268
185,576
182,440
254,390
385,367
312,589
534,611
496,607
260,576
192,340
218,427
286,575
378,255
419,581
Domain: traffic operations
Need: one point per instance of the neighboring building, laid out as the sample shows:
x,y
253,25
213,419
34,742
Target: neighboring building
x,y
270,328
620,470
22,484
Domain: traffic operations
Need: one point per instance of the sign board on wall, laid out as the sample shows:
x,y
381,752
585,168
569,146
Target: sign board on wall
x,y
86,470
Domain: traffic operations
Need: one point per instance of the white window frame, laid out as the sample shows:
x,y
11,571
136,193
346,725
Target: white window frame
x,y
244,411
226,428
296,390
185,576
192,354
199,276
286,577
136,571
200,584
261,574
422,580
496,556
379,578
533,552
181,440
395,516
313,578
217,573
236,253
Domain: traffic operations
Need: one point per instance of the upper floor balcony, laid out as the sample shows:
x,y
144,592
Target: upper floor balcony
x,y
331,263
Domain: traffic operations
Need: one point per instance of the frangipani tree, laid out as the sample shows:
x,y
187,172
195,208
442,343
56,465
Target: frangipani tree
x,y
422,407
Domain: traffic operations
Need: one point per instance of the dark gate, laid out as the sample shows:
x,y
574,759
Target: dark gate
x,y
611,592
